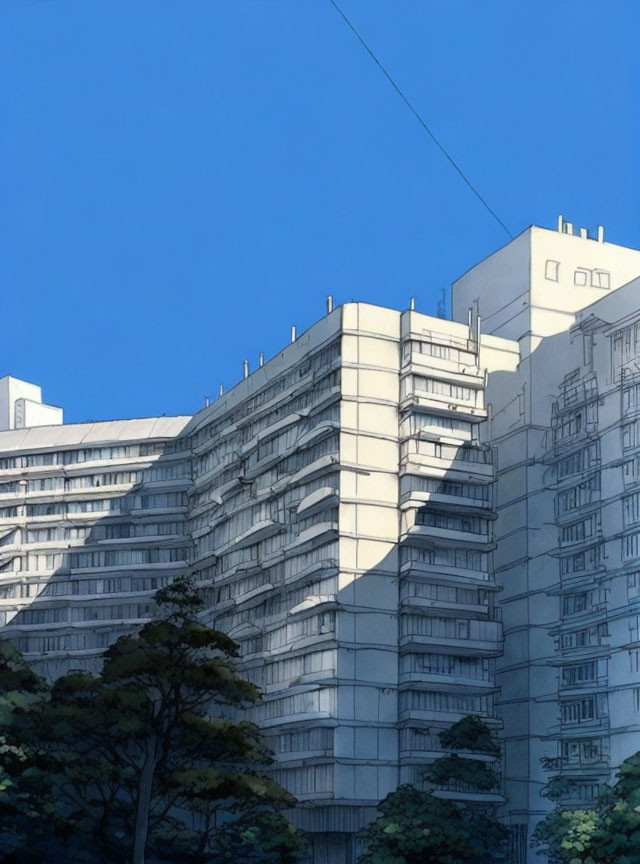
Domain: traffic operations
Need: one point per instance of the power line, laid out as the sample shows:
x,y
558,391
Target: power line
x,y
419,118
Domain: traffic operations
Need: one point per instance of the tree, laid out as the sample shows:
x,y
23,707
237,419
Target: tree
x,y
565,836
142,756
616,839
27,807
259,838
415,827
608,833
421,827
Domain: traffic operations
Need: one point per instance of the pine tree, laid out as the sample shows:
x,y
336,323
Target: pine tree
x,y
145,756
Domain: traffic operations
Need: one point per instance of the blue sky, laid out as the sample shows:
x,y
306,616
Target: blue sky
x,y
183,180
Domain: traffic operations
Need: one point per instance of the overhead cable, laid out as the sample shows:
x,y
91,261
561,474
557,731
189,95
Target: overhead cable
x,y
419,118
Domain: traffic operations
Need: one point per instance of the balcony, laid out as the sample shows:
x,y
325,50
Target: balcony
x,y
444,406
471,637
428,534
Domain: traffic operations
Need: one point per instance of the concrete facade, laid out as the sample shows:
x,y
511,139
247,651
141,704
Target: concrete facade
x,y
342,519
92,523
336,509
566,677
364,514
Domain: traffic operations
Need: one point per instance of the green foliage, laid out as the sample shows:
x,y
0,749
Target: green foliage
x,y
420,827
141,758
416,828
558,787
27,809
606,834
616,840
565,836
260,838
470,733
471,773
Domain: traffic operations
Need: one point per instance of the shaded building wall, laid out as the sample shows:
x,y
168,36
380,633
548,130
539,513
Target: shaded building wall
x,y
556,530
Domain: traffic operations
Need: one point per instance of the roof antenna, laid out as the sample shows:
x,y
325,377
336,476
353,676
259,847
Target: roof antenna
x,y
442,303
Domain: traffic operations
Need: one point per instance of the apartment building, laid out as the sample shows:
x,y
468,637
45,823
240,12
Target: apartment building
x,y
92,523
364,513
341,511
562,429
336,509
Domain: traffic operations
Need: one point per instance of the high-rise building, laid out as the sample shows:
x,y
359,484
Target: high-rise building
x,y
92,523
364,514
341,511
562,429
336,509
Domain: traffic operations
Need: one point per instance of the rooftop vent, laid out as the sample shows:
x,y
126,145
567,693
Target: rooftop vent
x,y
565,227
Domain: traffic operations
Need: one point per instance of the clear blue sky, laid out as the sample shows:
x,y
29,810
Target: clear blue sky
x,y
182,180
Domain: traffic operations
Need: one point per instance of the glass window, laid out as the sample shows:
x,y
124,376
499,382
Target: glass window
x,y
552,270
581,277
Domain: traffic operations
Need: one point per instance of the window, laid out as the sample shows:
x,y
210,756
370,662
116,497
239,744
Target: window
x,y
326,622
633,585
440,388
578,496
579,674
412,483
584,638
551,270
578,462
579,710
582,530
581,277
581,561
629,435
631,509
631,546
579,752
446,556
631,397
436,701
452,521
574,603
600,279
569,425
584,751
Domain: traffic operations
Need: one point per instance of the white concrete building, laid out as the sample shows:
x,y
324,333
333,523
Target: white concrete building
x,y
562,429
338,509
92,523
342,517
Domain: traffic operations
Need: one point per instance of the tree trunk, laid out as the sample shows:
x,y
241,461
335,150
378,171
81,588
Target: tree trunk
x,y
144,803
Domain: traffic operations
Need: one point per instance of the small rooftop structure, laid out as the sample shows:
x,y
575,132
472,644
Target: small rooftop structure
x,y
21,406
